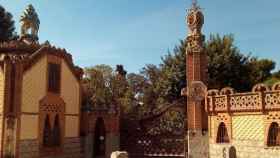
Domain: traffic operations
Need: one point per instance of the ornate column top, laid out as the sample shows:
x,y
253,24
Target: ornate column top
x,y
195,19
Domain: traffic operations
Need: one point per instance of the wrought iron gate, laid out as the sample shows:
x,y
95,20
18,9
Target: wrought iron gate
x,y
157,134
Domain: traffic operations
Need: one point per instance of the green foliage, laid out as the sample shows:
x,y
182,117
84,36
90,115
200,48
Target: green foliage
x,y
7,28
228,67
161,85
166,81
261,69
173,74
274,78
105,87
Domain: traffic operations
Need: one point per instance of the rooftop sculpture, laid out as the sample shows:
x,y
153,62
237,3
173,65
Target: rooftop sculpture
x,y
29,24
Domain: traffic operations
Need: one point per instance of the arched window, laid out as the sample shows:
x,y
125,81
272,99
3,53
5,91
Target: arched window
x,y
232,152
273,135
56,132
47,137
222,135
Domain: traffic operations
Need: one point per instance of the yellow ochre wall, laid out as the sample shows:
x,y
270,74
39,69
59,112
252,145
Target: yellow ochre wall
x,y
34,89
34,86
244,127
71,126
248,127
212,125
70,90
29,126
70,93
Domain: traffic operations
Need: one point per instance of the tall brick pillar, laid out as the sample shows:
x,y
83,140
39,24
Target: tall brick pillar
x,y
197,136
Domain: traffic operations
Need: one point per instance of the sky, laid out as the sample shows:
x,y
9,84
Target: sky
x,y
139,32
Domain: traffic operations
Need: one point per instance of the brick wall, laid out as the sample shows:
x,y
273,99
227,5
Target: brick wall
x,y
29,148
244,149
72,149
248,137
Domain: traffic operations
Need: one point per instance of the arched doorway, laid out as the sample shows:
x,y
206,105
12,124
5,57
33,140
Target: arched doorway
x,y
99,139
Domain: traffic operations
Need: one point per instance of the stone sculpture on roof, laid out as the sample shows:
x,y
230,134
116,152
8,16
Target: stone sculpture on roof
x,y
29,24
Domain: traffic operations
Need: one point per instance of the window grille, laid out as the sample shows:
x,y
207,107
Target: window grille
x,y
274,135
54,78
222,135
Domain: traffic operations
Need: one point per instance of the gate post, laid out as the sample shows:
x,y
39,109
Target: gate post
x,y
112,135
196,58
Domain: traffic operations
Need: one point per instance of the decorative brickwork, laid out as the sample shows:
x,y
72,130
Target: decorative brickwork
x,y
196,90
222,118
261,99
248,118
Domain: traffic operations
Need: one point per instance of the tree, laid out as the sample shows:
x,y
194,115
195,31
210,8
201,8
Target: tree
x,y
95,86
105,87
161,85
261,69
7,28
150,95
229,67
137,82
173,73
274,78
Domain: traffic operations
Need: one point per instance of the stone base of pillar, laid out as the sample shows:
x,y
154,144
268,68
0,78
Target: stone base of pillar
x,y
198,144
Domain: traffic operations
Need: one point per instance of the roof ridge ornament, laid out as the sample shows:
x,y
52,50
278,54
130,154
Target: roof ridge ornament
x,y
29,25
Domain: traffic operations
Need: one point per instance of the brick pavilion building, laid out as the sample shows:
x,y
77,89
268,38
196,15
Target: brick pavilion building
x,y
40,102
223,123
40,97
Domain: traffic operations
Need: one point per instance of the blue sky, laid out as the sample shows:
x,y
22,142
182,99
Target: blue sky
x,y
139,32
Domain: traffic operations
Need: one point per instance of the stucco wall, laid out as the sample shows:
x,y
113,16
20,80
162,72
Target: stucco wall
x,y
248,139
29,127
34,86
244,149
248,127
71,126
212,124
34,89
70,90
